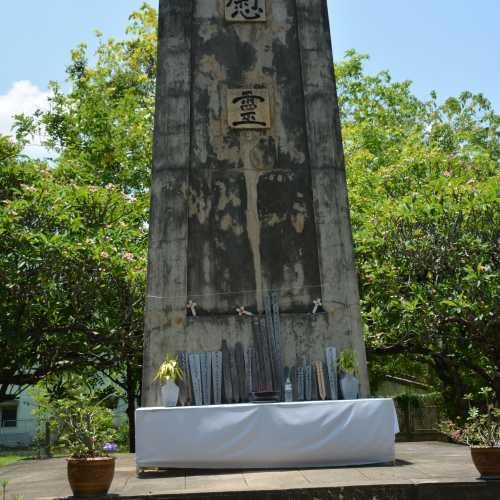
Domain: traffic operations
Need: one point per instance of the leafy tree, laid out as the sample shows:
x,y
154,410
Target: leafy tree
x,y
102,127
423,180
72,267
101,130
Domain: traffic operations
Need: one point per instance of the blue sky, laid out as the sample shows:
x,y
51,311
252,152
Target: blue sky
x,y
443,45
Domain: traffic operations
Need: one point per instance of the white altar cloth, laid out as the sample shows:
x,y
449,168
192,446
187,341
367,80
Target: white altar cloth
x,y
272,435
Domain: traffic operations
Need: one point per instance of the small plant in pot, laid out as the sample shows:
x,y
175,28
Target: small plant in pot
x,y
168,375
86,431
348,368
480,430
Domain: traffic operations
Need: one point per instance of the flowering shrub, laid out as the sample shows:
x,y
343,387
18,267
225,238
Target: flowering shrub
x,y
110,447
480,429
86,427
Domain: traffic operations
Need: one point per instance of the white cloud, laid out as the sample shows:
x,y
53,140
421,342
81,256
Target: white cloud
x,y
23,97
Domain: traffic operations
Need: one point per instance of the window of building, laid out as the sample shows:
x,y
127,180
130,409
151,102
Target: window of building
x,y
9,416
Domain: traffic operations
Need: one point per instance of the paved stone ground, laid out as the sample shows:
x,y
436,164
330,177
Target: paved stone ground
x,y
421,464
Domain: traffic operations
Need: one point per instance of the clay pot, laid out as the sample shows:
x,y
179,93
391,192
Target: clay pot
x,y
487,462
90,476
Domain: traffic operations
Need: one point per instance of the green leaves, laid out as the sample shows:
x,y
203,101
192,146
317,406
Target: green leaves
x,y
422,180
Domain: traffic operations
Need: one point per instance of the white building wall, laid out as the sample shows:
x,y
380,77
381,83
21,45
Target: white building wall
x,y
24,432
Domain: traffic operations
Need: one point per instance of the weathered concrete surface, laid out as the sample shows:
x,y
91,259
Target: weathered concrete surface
x,y
424,471
235,213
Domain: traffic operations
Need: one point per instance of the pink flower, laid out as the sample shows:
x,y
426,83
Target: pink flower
x,y
128,256
447,173
456,434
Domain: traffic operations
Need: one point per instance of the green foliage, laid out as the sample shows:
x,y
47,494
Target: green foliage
x,y
347,362
82,423
169,370
423,182
72,271
481,428
74,260
102,127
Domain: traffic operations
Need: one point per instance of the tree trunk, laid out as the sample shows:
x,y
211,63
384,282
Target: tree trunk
x,y
131,408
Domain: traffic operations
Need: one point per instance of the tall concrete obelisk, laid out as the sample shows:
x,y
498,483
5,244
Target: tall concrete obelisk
x,y
248,184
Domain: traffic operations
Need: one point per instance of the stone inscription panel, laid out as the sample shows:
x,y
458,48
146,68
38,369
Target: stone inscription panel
x,y
248,109
245,10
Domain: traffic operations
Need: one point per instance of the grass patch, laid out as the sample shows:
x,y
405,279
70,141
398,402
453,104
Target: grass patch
x,y
13,456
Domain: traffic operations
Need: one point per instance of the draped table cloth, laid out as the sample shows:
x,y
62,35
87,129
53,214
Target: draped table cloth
x,y
267,435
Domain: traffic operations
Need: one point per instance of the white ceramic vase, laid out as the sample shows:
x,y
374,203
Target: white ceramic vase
x,y
349,385
169,393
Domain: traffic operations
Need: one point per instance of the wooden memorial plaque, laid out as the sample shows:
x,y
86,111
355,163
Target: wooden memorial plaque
x,y
206,376
278,356
195,369
308,382
320,376
294,380
300,384
217,377
248,370
226,374
184,383
266,356
331,364
239,356
234,378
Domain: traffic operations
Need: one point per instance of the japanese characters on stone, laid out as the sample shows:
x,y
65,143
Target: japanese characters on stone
x,y
248,109
245,10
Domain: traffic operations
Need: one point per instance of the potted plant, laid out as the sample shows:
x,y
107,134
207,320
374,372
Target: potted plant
x,y
168,374
481,432
86,431
348,368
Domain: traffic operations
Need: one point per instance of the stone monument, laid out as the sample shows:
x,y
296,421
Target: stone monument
x,y
248,193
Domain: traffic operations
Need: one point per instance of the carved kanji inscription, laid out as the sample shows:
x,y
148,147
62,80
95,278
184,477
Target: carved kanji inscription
x,y
245,10
248,109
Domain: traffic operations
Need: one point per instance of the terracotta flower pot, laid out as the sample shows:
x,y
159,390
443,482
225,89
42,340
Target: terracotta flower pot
x,y
90,476
487,462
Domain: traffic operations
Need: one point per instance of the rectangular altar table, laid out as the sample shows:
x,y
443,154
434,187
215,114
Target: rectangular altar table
x,y
272,435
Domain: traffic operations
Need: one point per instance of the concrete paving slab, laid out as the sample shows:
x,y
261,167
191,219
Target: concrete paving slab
x,y
423,470
338,476
218,482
